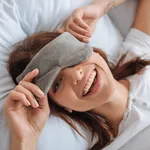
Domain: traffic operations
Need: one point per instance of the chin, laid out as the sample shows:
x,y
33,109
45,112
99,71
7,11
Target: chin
x,y
84,108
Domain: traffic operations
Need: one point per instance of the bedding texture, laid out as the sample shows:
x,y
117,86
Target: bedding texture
x,y
19,19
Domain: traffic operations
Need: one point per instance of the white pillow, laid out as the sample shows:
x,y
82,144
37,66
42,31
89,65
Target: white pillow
x,y
20,18
123,16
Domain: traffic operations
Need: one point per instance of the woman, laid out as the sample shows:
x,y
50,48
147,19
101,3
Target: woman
x,y
111,106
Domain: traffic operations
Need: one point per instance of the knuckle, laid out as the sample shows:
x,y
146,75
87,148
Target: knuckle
x,y
11,93
76,35
18,87
70,24
22,96
81,31
20,82
29,95
79,37
77,10
28,74
69,30
76,20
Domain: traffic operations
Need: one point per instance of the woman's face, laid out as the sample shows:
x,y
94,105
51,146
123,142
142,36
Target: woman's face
x,y
85,86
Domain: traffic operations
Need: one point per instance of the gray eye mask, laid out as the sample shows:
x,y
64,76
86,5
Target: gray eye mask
x,y
64,51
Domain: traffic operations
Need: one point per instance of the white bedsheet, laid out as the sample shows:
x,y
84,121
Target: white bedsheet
x,y
21,18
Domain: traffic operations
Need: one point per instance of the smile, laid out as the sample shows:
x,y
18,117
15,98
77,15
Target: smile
x,y
92,84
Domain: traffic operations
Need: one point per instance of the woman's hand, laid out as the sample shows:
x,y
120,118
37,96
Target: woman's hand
x,y
82,22
26,118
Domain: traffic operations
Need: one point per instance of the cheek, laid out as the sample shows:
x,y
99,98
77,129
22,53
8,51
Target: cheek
x,y
102,63
67,98
99,61
70,100
107,89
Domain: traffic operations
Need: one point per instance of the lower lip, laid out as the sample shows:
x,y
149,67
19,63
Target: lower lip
x,y
96,86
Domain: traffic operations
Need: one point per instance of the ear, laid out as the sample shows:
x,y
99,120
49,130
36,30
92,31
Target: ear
x,y
68,109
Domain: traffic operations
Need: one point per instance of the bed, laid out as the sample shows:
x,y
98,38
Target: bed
x,y
16,22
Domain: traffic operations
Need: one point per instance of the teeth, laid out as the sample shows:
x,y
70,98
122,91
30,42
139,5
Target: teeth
x,y
89,82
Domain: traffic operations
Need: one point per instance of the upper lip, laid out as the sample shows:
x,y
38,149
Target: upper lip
x,y
85,79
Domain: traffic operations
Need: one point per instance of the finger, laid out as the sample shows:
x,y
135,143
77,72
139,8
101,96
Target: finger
x,y
77,18
60,30
17,96
79,36
43,103
79,30
86,40
33,88
29,96
79,21
31,75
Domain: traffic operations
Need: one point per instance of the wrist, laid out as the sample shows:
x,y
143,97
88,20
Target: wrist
x,y
107,5
23,145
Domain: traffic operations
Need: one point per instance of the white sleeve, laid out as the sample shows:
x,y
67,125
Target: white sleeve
x,y
136,44
137,39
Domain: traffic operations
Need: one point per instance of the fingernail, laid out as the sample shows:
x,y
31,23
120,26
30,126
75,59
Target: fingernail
x,y
88,29
34,70
87,34
86,40
28,103
36,104
40,93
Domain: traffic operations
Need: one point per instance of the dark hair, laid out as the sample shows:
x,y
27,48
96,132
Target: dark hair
x,y
99,126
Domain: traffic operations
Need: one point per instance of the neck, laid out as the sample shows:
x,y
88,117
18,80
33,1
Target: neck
x,y
114,109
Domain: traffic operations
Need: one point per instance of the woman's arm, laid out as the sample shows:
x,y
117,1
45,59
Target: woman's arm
x,y
108,4
24,145
26,118
142,19
82,22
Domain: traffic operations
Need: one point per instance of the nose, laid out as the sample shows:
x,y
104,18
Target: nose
x,y
78,74
74,74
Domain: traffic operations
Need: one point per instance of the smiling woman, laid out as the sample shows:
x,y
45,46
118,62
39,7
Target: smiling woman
x,y
86,92
78,79
66,93
112,103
